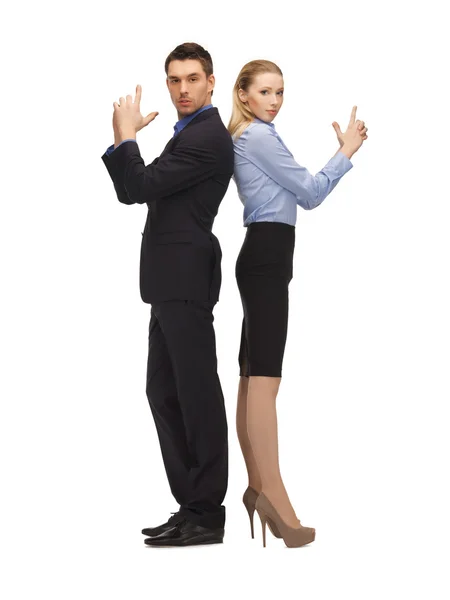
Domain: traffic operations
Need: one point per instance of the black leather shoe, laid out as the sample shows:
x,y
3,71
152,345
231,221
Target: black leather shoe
x,y
151,531
185,533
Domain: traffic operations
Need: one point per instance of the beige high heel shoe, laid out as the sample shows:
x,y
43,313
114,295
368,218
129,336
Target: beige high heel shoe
x,y
249,499
293,537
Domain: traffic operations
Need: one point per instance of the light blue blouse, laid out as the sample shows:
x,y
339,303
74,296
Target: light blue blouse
x,y
270,183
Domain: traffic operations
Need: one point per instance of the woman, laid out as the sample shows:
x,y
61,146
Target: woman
x,y
270,185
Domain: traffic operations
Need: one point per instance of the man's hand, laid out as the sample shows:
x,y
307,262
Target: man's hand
x,y
355,134
127,118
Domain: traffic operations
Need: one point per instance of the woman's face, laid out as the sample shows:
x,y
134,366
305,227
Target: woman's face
x,y
264,96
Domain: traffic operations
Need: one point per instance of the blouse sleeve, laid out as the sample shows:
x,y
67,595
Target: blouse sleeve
x,y
270,155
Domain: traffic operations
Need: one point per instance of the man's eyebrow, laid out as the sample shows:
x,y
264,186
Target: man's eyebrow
x,y
177,77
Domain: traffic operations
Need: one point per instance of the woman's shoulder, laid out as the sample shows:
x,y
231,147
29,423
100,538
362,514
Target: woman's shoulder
x,y
254,132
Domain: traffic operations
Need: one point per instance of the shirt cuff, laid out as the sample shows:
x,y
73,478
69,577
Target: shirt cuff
x,y
111,148
341,163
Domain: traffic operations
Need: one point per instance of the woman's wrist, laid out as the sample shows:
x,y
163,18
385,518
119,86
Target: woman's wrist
x,y
347,150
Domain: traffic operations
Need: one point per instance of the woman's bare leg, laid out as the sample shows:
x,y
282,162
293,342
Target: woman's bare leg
x,y
262,429
254,479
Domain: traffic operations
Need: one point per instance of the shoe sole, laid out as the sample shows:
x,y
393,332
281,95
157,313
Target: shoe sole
x,y
198,543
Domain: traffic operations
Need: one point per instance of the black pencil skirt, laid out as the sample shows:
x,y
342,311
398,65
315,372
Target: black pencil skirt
x,y
263,273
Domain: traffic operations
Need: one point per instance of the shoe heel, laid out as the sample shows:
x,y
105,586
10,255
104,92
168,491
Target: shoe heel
x,y
251,512
249,500
263,518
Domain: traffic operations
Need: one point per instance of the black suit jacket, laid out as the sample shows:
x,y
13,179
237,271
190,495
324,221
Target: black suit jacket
x,y
183,188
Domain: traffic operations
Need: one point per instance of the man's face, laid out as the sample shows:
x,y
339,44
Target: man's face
x,y
188,85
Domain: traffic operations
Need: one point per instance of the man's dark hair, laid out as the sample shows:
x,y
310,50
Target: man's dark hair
x,y
193,51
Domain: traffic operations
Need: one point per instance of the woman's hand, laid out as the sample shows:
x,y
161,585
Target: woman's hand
x,y
355,134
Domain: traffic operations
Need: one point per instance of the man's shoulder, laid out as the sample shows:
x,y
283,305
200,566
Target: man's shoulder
x,y
209,131
208,120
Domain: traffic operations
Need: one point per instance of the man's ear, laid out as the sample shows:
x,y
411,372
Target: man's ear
x,y
211,81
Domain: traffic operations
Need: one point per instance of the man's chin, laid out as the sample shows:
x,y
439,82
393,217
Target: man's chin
x,y
185,111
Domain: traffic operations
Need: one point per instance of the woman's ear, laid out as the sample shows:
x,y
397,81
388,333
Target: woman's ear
x,y
242,96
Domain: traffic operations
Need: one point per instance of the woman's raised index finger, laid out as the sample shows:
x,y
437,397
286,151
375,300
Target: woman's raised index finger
x,y
138,94
353,115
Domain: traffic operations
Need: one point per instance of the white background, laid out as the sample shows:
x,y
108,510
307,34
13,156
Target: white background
x,y
363,429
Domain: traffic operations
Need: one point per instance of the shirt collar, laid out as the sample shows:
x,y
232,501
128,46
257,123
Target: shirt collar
x,y
181,124
265,122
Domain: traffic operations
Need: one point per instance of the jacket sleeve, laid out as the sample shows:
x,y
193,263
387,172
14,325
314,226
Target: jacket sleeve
x,y
267,152
117,176
186,165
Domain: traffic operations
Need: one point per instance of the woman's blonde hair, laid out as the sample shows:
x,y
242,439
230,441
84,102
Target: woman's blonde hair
x,y
241,115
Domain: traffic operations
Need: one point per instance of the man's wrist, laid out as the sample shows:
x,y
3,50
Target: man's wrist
x,y
124,134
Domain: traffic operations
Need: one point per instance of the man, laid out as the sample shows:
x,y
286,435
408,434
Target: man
x,y
180,276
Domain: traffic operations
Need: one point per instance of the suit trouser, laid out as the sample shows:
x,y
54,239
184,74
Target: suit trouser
x,y
187,404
